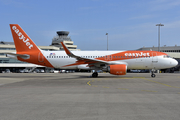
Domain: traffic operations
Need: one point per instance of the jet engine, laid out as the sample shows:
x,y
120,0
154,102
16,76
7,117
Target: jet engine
x,y
119,69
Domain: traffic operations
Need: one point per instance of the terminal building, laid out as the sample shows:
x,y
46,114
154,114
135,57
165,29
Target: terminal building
x,y
16,65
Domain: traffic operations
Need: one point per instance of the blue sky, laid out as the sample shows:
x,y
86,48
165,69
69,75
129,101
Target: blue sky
x,y
129,23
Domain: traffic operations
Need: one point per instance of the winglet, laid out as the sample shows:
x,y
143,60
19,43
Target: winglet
x,y
68,52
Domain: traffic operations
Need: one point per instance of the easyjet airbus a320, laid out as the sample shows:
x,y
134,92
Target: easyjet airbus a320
x,y
114,62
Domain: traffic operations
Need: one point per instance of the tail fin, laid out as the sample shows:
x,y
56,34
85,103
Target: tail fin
x,y
21,40
26,49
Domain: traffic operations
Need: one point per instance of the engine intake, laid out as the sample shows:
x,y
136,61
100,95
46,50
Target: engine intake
x,y
117,69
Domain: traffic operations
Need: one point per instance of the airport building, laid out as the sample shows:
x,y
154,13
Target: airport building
x,y
62,36
16,65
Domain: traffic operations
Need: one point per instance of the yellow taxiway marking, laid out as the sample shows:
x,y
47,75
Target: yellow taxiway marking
x,y
159,83
94,85
89,83
148,91
123,88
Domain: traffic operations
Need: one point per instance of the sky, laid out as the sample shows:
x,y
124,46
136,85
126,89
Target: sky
x,y
130,24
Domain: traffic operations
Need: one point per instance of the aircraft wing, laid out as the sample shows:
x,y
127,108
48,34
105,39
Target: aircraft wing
x,y
81,60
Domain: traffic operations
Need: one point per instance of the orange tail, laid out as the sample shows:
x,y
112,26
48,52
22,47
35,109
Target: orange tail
x,y
21,40
25,46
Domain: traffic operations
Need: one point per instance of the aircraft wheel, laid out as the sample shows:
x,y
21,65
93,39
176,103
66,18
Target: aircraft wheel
x,y
95,74
153,75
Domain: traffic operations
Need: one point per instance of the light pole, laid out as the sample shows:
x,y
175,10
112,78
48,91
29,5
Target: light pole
x,y
159,35
107,41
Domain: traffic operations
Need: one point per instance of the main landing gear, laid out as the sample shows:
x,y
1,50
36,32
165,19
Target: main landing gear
x,y
152,73
95,74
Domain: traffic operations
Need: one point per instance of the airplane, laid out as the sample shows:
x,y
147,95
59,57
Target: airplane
x,y
114,62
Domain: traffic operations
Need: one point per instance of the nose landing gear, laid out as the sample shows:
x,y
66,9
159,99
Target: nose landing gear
x,y
152,73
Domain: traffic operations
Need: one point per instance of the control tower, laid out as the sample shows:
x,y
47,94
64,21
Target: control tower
x,y
62,36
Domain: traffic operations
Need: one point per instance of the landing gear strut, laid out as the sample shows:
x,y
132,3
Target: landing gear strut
x,y
95,74
152,73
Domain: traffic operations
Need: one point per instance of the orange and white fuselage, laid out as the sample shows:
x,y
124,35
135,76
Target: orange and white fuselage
x,y
116,62
133,60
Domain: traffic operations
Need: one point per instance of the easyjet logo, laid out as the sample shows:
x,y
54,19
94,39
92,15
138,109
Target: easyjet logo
x,y
21,37
137,54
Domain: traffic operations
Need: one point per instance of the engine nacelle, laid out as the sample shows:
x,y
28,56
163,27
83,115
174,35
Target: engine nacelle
x,y
120,69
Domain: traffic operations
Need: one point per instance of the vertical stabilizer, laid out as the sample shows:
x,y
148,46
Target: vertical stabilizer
x,y
26,47
21,40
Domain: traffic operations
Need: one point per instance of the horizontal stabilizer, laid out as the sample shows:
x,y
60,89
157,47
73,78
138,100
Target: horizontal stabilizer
x,y
14,55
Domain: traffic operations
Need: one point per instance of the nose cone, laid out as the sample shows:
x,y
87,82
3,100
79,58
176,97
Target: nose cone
x,y
174,62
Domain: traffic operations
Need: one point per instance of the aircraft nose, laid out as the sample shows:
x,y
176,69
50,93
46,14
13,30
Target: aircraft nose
x,y
174,62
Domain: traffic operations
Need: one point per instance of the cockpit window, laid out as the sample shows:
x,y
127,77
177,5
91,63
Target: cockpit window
x,y
166,56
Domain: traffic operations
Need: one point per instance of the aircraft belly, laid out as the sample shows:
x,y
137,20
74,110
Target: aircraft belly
x,y
60,63
144,63
135,64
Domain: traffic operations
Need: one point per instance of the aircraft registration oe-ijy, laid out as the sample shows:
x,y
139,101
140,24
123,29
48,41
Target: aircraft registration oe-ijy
x,y
114,62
